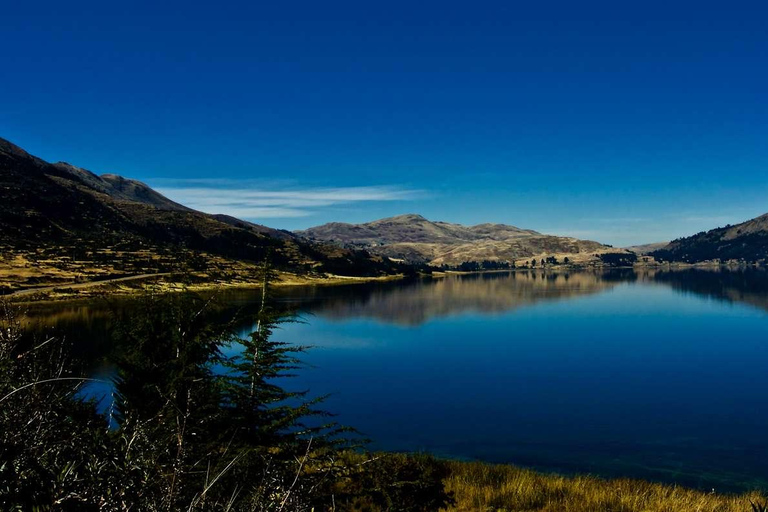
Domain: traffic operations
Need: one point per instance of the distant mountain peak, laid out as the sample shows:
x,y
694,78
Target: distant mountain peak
x,y
407,217
119,187
413,237
9,147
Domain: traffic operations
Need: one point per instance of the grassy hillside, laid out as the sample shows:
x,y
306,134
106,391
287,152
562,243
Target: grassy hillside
x,y
413,238
60,224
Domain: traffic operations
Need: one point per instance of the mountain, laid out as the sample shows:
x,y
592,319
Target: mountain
x,y
45,202
644,249
747,241
415,239
60,223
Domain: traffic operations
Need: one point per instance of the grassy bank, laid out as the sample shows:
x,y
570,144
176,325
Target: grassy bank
x,y
65,272
166,283
484,487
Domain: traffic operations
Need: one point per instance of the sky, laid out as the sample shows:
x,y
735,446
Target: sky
x,y
622,122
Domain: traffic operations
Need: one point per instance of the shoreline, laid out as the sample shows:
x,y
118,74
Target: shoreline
x,y
116,288
120,286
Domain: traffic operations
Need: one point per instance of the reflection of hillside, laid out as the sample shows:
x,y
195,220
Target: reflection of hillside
x,y
66,314
420,301
84,326
87,324
747,285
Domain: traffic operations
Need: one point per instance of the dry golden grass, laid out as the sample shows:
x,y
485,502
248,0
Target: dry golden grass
x,y
485,488
53,275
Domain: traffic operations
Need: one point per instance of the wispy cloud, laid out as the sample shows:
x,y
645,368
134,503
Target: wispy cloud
x,y
254,200
614,220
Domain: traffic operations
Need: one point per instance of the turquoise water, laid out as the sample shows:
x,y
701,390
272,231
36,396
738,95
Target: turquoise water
x,y
655,375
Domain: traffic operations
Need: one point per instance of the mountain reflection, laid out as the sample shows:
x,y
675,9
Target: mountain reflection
x,y
414,303
743,285
417,302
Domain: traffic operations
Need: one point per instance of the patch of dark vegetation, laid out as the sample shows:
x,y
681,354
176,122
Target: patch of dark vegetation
x,y
615,259
477,266
357,262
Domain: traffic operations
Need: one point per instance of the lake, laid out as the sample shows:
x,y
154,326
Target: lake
x,y
660,375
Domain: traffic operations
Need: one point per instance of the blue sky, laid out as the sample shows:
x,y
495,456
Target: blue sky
x,y
616,121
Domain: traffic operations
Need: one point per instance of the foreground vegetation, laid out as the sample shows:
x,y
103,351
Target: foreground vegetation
x,y
201,421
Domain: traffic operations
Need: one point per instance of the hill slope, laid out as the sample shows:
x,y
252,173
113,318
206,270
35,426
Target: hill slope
x,y
59,222
747,241
413,238
644,249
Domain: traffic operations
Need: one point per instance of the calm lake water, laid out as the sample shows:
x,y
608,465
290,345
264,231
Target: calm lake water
x,y
658,375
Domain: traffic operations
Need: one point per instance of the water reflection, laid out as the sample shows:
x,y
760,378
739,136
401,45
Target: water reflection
x,y
748,286
421,301
413,303
647,373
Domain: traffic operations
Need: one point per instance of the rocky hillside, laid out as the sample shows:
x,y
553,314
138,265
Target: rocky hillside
x,y
416,239
71,221
747,241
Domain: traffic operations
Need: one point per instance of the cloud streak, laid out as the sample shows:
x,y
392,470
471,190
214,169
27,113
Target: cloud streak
x,y
250,200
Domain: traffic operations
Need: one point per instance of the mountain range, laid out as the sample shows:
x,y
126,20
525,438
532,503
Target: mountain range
x,y
63,224
414,239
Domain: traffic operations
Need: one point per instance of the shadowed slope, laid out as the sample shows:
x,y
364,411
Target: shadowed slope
x,y
747,241
60,222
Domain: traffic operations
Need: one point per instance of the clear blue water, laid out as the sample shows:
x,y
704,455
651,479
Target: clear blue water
x,y
661,376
